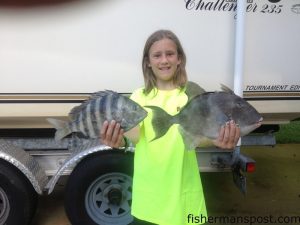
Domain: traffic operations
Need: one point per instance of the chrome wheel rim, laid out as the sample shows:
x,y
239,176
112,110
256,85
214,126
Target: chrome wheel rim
x,y
108,199
4,207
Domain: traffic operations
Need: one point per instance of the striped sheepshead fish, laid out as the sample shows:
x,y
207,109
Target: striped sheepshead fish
x,y
88,117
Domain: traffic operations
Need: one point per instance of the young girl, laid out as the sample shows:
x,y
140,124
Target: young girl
x,y
166,183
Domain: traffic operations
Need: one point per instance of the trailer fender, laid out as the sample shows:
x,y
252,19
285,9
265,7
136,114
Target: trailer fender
x,y
75,157
25,163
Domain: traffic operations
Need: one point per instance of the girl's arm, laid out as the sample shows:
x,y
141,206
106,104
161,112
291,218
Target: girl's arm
x,y
133,134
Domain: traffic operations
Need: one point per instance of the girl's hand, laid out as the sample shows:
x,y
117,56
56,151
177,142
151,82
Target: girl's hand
x,y
111,134
228,136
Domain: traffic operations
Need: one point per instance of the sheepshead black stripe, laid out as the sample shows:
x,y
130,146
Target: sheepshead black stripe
x,y
88,119
95,118
83,120
102,106
98,118
108,108
114,106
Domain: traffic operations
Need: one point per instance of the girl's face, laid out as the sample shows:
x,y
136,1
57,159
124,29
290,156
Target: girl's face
x,y
164,60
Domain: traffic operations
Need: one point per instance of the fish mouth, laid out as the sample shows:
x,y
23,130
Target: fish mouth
x,y
259,122
144,115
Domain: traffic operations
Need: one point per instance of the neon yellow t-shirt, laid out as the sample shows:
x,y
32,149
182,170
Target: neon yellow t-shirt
x,y
166,182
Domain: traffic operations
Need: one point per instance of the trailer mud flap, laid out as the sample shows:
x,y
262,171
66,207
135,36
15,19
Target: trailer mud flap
x,y
17,157
238,163
239,179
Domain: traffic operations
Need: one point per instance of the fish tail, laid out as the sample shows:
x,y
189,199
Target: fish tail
x,y
161,121
62,128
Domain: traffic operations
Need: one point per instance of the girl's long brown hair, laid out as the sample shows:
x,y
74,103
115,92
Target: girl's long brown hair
x,y
180,77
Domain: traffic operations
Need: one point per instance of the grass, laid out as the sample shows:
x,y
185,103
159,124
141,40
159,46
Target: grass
x,y
289,133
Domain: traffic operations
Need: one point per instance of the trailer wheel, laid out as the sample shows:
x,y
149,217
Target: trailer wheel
x,y
18,199
98,191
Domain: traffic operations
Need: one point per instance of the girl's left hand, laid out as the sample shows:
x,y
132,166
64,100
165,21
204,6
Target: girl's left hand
x,y
111,134
228,136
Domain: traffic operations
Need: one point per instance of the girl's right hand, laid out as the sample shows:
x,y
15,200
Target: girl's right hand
x,y
112,135
229,136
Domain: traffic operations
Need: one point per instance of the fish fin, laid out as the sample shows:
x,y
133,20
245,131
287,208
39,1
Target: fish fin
x,y
190,141
100,94
78,109
192,89
161,121
75,111
62,128
226,89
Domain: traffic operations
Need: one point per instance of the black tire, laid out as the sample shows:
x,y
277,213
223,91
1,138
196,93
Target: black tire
x,y
18,198
98,191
